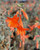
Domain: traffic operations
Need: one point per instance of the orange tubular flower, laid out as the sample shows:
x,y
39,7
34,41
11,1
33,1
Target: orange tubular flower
x,y
23,37
34,38
16,23
21,21
37,45
20,44
38,36
12,22
35,25
31,27
25,15
16,18
11,8
38,26
27,36
20,29
16,1
20,32
36,18
17,12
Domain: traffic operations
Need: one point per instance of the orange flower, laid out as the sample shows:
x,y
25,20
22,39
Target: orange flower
x,y
17,12
23,37
27,36
38,26
38,36
37,18
34,38
15,17
16,1
37,44
20,32
16,23
35,25
21,21
25,15
31,27
20,44
12,22
20,29
11,7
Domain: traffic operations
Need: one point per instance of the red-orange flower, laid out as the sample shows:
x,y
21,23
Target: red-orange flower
x,y
16,23
12,22
23,37
36,18
20,29
37,44
25,14
20,44
11,7
38,26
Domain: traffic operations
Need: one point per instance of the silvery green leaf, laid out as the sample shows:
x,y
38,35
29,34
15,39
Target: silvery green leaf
x,y
8,42
10,48
10,33
14,43
19,5
2,38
